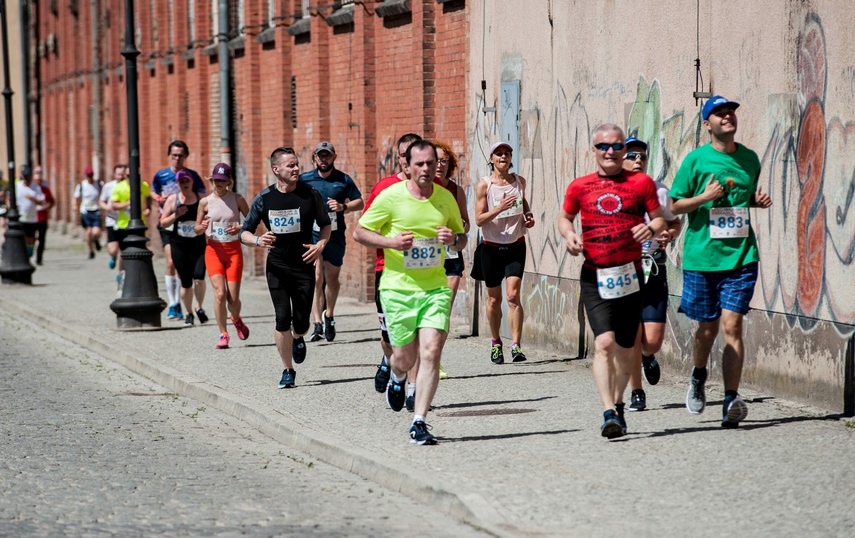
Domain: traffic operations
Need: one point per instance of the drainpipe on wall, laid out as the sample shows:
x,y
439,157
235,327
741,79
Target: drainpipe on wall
x,y
25,78
225,76
95,111
849,379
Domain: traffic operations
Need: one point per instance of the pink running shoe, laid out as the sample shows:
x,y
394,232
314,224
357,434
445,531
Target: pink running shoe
x,y
241,328
224,341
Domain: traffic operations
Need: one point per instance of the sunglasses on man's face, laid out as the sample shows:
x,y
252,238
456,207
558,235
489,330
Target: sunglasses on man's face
x,y
602,146
635,155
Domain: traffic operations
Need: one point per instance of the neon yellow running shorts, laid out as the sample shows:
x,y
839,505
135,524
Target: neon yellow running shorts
x,y
409,311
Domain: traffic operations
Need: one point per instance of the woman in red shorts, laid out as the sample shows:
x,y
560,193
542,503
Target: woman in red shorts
x,y
219,218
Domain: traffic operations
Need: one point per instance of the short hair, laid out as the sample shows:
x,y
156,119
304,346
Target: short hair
x,y
178,144
279,152
453,161
606,128
419,144
407,139
120,165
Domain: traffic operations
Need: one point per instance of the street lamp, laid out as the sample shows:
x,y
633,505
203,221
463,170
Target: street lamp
x,y
15,267
140,305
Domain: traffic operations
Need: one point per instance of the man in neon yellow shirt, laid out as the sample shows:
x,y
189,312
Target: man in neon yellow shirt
x,y
411,221
120,200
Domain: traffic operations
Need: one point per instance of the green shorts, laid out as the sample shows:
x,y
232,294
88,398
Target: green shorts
x,y
409,311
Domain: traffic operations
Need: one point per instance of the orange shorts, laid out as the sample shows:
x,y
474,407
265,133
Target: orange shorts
x,y
224,259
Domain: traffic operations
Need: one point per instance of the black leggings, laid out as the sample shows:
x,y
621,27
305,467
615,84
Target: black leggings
x,y
189,260
292,292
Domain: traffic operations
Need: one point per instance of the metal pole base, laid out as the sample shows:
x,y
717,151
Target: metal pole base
x,y
140,304
15,267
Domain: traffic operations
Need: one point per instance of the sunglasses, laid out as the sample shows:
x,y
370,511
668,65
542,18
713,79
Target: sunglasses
x,y
636,155
602,146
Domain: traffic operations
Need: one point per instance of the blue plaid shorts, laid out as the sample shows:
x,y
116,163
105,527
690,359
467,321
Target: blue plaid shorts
x,y
706,293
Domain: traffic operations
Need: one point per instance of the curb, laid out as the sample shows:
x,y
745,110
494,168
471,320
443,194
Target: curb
x,y
468,507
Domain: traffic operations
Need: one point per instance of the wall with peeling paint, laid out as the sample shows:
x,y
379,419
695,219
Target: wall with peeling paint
x,y
790,65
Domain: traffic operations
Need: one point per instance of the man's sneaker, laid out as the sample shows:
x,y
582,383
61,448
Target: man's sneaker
x,y
289,377
611,428
112,263
179,315
734,411
396,393
517,354
203,317
652,372
170,314
411,402
381,378
97,245
189,320
329,327
298,350
496,354
223,342
620,408
419,434
638,401
696,398
442,374
318,333
241,328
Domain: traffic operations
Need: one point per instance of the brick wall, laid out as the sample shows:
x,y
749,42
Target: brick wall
x,y
359,85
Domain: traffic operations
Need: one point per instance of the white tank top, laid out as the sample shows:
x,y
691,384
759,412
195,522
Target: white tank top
x,y
509,225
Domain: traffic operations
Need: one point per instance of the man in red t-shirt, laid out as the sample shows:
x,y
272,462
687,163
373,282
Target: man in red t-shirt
x,y
611,203
381,378
42,214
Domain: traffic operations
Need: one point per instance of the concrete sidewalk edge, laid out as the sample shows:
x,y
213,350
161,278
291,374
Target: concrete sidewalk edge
x,y
468,507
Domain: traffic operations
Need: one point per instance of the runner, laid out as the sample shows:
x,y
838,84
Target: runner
x,y
715,186
342,196
381,378
612,203
119,172
446,167
655,290
502,212
219,219
188,248
288,209
411,220
43,213
86,196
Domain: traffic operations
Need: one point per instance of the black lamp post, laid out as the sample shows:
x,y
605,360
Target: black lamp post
x,y
15,267
140,305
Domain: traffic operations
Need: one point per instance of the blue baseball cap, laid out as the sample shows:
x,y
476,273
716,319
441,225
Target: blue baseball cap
x,y
632,141
713,103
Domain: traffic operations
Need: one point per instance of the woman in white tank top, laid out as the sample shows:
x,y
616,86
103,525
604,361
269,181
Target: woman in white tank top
x,y
502,212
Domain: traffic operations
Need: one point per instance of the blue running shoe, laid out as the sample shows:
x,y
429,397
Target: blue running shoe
x,y
170,314
298,350
419,434
611,428
179,315
112,262
289,377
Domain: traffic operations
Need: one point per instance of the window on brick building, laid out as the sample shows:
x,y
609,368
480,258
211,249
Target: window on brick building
x,y
304,9
191,20
271,13
215,17
293,101
171,29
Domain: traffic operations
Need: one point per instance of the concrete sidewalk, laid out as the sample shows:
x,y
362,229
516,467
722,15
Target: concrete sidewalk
x,y
520,452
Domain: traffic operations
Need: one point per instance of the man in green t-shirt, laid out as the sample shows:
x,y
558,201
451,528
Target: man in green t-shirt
x,y
411,221
715,186
120,200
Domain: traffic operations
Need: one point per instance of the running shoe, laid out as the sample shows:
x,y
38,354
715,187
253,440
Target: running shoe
x,y
289,377
329,327
241,328
223,342
696,398
652,372
419,434
112,262
97,245
91,255
298,350
381,378
620,408
442,374
318,333
496,354
517,354
170,314
734,411
638,401
396,393
203,317
410,402
611,428
189,320
179,315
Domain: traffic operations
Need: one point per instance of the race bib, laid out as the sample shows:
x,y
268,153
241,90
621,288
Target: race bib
x,y
219,234
450,253
514,210
425,252
186,228
727,222
284,221
615,282
333,223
